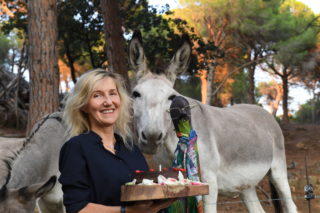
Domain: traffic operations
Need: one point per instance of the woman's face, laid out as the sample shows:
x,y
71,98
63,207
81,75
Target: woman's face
x,y
103,107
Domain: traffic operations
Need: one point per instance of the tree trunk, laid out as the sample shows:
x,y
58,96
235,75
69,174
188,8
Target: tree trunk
x,y
19,74
285,118
115,49
90,51
279,96
210,85
43,59
252,68
70,62
202,74
252,99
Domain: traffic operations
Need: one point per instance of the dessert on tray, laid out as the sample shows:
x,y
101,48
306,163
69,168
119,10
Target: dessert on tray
x,y
168,183
153,175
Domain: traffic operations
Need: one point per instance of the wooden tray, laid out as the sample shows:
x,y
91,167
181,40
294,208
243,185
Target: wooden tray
x,y
153,192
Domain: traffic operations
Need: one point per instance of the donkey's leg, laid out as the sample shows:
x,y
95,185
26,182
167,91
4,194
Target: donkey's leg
x,y
279,178
251,200
210,200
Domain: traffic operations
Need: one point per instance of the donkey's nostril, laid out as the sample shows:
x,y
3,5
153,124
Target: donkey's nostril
x,y
144,136
160,136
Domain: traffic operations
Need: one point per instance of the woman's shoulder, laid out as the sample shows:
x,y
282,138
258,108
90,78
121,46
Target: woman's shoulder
x,y
84,137
81,140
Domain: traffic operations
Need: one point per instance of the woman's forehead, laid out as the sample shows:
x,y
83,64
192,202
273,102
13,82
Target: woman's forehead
x,y
105,84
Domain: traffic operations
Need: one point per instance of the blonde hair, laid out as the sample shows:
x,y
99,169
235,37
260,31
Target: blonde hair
x,y
77,121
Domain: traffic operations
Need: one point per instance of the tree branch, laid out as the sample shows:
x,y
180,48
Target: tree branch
x,y
237,69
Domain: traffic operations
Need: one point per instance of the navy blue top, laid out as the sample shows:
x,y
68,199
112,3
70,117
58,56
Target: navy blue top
x,y
91,173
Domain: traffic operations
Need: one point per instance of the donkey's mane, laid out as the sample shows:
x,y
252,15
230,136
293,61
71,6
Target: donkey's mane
x,y
8,161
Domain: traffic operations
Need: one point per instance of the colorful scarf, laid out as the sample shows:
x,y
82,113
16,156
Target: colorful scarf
x,y
187,157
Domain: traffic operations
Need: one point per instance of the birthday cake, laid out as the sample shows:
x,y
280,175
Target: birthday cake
x,y
164,184
152,175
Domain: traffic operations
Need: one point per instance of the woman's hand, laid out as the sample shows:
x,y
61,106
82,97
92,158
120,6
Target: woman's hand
x,y
149,206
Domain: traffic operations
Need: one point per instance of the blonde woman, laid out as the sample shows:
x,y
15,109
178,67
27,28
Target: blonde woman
x,y
99,156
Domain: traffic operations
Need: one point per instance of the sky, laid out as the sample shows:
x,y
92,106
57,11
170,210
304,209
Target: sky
x,y
299,94
313,4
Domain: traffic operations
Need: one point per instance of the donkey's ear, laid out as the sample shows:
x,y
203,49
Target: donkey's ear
x,y
180,61
137,59
37,190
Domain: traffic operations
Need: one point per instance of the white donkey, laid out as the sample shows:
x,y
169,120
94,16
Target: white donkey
x,y
237,145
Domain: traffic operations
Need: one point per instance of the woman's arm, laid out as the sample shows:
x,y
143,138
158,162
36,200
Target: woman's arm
x,y
74,177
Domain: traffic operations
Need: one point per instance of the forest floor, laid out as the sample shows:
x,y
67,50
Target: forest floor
x,y
301,141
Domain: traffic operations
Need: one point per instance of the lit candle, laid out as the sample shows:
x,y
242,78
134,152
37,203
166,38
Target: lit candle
x,y
160,168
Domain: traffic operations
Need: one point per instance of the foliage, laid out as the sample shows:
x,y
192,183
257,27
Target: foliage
x,y
224,33
4,50
81,37
308,113
240,89
10,51
161,33
80,34
188,86
17,18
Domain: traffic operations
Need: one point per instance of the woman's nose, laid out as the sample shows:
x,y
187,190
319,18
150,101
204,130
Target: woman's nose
x,y
107,101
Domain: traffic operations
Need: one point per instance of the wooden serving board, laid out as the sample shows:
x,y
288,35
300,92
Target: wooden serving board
x,y
153,192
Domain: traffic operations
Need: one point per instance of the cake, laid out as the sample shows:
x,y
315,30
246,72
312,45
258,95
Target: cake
x,y
153,175
163,184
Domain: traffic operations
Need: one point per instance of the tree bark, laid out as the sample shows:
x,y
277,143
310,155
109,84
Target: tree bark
x,y
70,63
43,59
279,96
251,69
210,84
90,51
202,74
115,48
285,118
251,72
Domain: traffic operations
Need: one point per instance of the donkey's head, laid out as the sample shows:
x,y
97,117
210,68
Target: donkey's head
x,y
153,93
23,200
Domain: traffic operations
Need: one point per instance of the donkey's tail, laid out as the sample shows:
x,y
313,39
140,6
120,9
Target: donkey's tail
x,y
275,198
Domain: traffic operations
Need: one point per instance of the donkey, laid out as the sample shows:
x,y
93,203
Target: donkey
x,y
237,145
8,146
33,169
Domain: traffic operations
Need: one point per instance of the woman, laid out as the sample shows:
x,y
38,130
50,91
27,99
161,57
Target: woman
x,y
98,158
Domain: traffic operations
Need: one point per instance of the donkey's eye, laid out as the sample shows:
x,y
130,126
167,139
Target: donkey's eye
x,y
171,97
135,94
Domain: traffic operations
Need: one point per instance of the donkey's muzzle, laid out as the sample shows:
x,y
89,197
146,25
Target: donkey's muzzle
x,y
151,138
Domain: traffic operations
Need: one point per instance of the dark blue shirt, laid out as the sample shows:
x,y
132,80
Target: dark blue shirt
x,y
91,173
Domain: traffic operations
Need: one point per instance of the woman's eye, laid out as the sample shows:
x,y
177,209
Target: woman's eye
x,y
135,94
96,95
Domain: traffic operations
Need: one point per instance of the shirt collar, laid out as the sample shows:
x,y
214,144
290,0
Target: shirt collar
x,y
98,139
